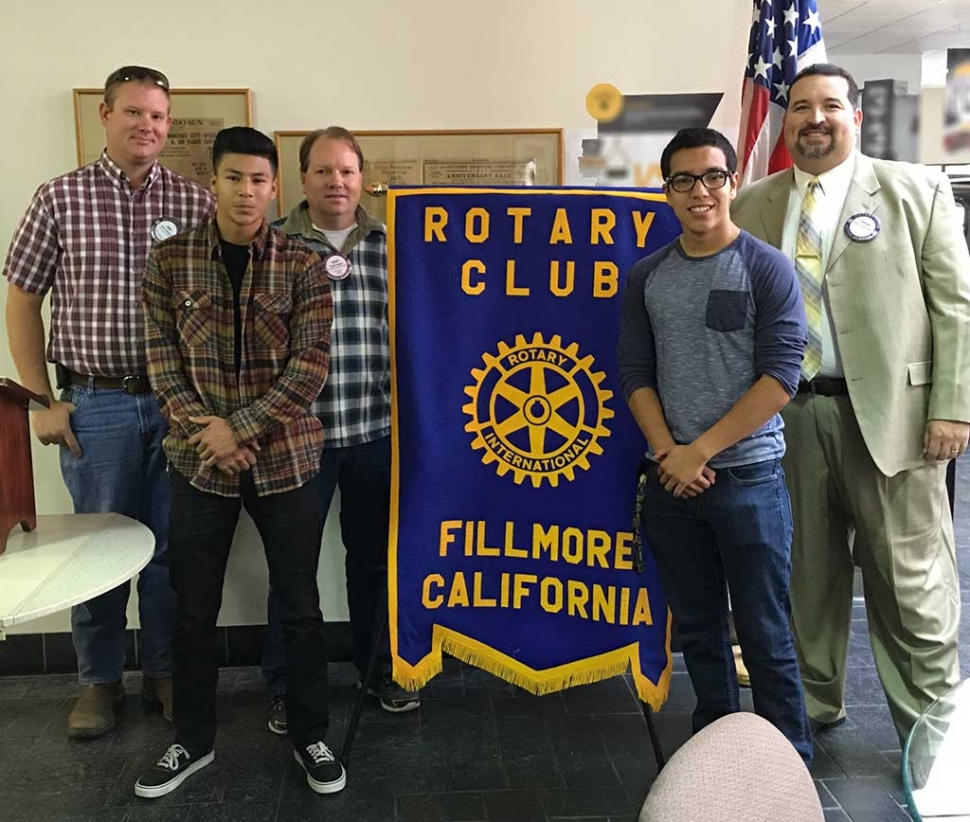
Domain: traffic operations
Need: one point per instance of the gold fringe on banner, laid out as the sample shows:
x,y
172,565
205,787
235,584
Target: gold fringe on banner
x,y
540,682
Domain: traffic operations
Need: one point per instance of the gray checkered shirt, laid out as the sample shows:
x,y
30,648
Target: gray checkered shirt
x,y
355,405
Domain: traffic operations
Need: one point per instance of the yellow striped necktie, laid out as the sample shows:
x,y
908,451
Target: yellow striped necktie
x,y
808,264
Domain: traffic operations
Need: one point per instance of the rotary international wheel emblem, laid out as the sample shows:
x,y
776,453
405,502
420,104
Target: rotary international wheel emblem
x,y
537,410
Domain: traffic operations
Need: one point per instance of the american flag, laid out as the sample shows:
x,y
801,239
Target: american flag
x,y
786,36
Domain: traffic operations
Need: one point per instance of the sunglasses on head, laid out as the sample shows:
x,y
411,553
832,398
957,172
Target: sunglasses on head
x,y
128,73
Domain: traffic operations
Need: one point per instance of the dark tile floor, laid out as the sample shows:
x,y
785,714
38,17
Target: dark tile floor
x,y
478,749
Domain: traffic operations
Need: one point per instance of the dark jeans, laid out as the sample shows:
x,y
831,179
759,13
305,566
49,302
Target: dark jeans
x,y
200,536
738,534
363,474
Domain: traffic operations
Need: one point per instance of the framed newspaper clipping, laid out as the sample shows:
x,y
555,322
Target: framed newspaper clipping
x,y
528,157
197,115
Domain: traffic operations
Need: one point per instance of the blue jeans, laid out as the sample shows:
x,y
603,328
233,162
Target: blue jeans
x,y
736,534
122,469
363,474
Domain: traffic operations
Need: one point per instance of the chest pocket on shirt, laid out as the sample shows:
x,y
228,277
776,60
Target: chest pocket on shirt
x,y
271,318
194,313
726,310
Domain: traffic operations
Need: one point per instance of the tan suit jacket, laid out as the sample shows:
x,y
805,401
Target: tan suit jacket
x,y
900,303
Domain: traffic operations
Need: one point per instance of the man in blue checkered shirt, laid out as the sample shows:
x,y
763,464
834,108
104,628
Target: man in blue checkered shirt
x,y
355,405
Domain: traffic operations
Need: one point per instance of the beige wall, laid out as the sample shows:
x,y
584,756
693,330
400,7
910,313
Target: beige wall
x,y
367,64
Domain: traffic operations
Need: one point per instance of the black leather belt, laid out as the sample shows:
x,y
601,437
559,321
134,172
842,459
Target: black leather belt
x,y
130,384
824,387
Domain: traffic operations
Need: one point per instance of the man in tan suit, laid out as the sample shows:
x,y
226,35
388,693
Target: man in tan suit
x,y
884,401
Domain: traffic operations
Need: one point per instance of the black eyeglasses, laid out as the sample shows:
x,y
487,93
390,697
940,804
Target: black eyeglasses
x,y
128,73
682,183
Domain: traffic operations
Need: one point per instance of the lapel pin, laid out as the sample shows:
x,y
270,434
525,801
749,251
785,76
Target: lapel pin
x,y
338,266
164,228
862,227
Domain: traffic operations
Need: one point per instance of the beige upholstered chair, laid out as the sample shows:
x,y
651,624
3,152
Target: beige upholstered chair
x,y
738,769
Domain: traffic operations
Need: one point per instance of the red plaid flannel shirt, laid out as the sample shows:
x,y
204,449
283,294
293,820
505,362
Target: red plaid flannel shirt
x,y
286,310
85,238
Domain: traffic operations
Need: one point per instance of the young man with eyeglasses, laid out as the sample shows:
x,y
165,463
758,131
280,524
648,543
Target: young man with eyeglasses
x,y
711,343
85,238
238,320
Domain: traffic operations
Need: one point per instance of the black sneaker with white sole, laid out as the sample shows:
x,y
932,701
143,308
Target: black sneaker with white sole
x,y
277,715
392,696
175,766
324,774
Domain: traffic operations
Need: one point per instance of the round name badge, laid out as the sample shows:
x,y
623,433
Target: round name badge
x,y
164,228
862,228
338,266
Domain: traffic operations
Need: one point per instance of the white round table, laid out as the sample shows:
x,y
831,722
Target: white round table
x,y
68,559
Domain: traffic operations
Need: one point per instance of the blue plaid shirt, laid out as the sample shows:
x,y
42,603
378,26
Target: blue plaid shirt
x,y
355,404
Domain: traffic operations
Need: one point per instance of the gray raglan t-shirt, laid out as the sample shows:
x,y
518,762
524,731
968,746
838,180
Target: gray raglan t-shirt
x,y
700,331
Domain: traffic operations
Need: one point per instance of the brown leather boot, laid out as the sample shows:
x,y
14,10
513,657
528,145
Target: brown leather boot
x,y
94,712
158,692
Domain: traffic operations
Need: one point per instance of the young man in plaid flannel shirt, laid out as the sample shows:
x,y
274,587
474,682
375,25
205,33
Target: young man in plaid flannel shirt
x,y
238,322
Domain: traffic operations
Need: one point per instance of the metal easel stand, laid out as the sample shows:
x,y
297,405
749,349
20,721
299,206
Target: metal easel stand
x,y
658,753
380,628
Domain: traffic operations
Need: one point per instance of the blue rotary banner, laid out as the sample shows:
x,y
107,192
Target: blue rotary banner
x,y
514,467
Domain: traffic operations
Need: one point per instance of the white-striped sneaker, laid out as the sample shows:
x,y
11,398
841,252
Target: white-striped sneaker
x,y
175,766
324,774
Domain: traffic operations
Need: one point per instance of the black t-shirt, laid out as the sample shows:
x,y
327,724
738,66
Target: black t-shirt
x,y
236,259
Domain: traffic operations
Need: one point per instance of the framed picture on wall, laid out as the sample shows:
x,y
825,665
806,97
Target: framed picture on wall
x,y
197,115
532,157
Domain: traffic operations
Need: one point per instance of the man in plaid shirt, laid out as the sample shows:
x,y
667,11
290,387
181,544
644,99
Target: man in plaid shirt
x,y
355,406
85,238
238,322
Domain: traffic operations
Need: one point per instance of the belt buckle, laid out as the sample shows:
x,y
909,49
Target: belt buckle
x,y
130,383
